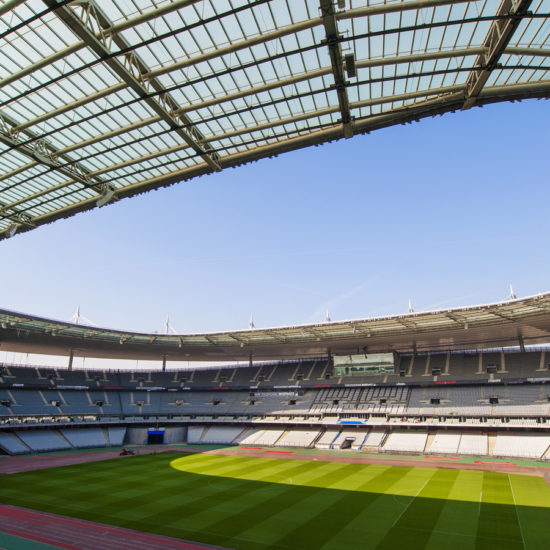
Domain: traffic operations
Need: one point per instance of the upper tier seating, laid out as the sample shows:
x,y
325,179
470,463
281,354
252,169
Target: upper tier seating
x,y
427,368
485,400
388,399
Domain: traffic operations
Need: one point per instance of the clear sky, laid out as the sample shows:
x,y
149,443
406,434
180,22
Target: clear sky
x,y
445,212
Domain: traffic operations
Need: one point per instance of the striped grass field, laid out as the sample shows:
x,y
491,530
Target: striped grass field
x,y
260,503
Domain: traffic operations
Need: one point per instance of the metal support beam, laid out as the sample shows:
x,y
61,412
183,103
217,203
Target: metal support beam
x,y
240,340
502,316
406,323
115,29
335,51
458,319
499,35
9,5
41,152
91,21
41,64
444,103
71,357
208,339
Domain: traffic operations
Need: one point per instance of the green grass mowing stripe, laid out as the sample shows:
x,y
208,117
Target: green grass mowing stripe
x,y
516,510
191,492
227,510
106,502
332,511
208,496
296,514
532,496
498,527
287,512
416,521
190,525
456,526
148,493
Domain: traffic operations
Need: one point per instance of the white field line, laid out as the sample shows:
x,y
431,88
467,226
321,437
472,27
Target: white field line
x,y
411,501
516,509
480,499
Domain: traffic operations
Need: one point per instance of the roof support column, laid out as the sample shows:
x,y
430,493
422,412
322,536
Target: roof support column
x,y
332,40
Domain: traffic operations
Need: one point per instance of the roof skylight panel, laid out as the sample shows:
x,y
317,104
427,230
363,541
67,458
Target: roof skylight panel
x,y
539,35
53,194
15,164
527,30
33,174
21,196
106,141
79,124
316,98
15,55
11,159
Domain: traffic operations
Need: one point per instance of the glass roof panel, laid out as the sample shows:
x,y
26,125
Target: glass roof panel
x,y
170,86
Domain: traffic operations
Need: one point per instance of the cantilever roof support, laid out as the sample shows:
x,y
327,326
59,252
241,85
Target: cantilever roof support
x,y
93,21
499,35
337,63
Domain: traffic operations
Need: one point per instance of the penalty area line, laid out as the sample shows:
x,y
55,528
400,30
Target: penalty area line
x,y
411,501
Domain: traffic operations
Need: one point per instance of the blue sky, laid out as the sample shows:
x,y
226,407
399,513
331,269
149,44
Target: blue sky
x,y
445,212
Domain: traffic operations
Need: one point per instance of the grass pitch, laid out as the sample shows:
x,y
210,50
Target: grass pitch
x,y
260,503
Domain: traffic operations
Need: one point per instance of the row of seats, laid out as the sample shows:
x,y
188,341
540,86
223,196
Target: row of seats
x,y
20,442
471,400
442,442
307,373
532,399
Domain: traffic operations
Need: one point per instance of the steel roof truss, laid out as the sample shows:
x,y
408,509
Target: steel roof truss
x,y
498,36
89,22
41,152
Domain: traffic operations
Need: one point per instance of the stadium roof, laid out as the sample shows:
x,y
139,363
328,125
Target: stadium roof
x,y
104,100
511,323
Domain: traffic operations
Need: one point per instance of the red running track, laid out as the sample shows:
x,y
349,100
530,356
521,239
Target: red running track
x,y
78,534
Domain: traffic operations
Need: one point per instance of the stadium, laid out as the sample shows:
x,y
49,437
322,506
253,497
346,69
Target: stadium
x,y
420,430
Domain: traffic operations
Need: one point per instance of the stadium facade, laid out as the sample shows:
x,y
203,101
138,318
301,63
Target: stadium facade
x,y
486,395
